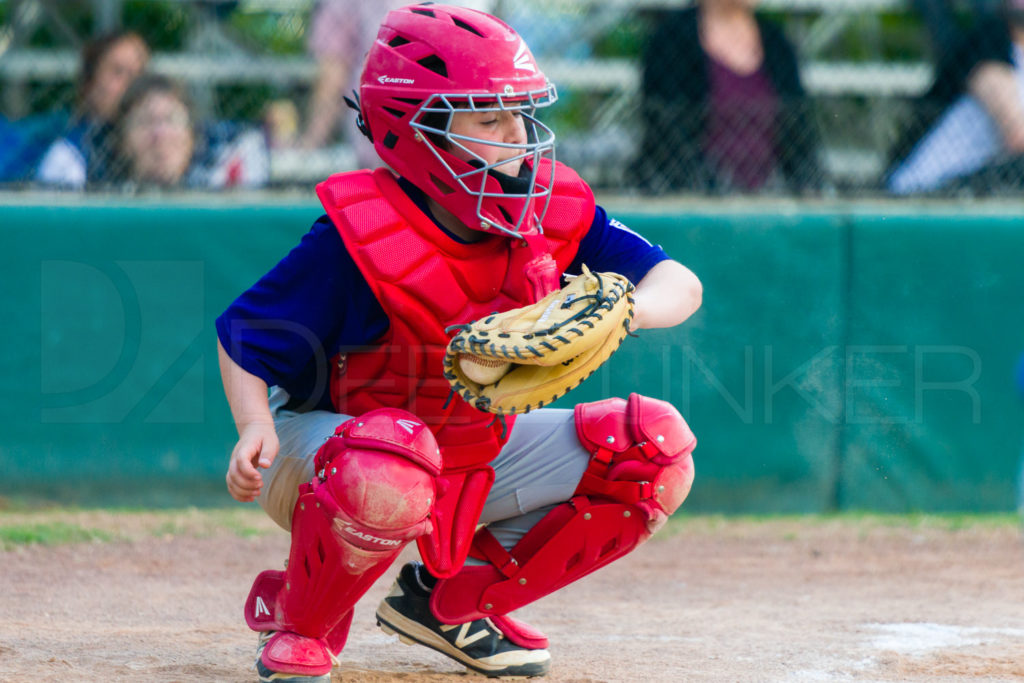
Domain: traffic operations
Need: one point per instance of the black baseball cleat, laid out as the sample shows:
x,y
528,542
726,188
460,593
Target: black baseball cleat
x,y
478,645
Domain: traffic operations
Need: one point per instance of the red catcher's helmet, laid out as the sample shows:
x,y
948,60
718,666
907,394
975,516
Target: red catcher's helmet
x,y
431,60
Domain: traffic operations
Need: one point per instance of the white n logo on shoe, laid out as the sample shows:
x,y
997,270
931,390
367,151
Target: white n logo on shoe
x,y
261,607
464,639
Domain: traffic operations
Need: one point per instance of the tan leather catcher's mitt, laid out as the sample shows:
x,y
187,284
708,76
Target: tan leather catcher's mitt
x,y
519,360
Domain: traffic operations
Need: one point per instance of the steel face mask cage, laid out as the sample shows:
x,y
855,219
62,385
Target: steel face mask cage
x,y
526,190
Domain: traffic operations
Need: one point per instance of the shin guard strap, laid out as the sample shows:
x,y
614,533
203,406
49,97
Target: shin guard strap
x,y
487,547
571,541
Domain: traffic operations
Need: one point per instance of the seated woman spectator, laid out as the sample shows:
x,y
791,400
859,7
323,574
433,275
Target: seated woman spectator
x,y
723,105
158,144
109,65
968,129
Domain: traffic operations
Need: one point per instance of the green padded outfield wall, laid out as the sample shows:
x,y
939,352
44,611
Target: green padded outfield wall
x,y
844,358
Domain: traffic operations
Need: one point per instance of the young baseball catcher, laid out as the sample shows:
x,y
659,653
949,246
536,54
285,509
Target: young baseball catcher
x,y
411,343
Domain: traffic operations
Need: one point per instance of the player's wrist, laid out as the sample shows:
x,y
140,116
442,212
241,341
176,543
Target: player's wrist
x,y
259,423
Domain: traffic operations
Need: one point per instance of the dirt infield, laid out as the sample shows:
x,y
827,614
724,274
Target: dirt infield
x,y
159,599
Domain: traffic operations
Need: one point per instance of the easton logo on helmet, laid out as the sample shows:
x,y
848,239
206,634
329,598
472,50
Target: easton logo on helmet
x,y
522,59
392,79
407,425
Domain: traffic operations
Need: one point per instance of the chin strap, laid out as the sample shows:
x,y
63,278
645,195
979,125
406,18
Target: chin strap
x,y
354,103
511,184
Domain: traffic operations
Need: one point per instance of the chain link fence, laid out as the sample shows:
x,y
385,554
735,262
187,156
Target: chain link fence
x,y
851,98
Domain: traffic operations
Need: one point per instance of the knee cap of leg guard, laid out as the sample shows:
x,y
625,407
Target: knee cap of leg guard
x,y
380,499
377,478
640,454
614,426
384,429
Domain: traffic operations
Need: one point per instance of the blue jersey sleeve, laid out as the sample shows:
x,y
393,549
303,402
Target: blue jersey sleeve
x,y
312,304
610,246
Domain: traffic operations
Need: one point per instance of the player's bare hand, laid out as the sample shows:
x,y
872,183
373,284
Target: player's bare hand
x,y
256,449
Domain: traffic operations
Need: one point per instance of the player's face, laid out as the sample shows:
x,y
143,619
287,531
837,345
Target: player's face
x,y
158,139
506,127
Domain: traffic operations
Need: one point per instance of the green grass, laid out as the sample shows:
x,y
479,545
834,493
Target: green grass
x,y
210,522
57,533
48,525
27,525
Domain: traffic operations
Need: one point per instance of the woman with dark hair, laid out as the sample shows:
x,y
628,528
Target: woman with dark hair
x,y
723,105
108,66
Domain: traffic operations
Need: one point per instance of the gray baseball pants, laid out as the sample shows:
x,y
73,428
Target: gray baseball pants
x,y
537,469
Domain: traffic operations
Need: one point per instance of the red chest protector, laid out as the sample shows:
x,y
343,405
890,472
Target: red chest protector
x,y
425,281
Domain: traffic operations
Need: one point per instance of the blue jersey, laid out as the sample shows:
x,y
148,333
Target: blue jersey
x,y
316,303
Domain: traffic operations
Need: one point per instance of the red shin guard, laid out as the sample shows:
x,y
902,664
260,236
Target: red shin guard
x,y
640,472
373,493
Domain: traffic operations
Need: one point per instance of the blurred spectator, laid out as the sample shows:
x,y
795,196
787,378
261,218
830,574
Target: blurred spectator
x,y
723,105
159,145
341,32
24,141
553,30
281,123
941,21
968,129
109,65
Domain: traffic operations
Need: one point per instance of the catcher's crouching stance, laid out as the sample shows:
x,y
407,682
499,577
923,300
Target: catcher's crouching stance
x,y
391,377
373,492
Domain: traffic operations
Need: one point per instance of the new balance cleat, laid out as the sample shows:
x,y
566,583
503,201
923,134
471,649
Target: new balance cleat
x,y
479,645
